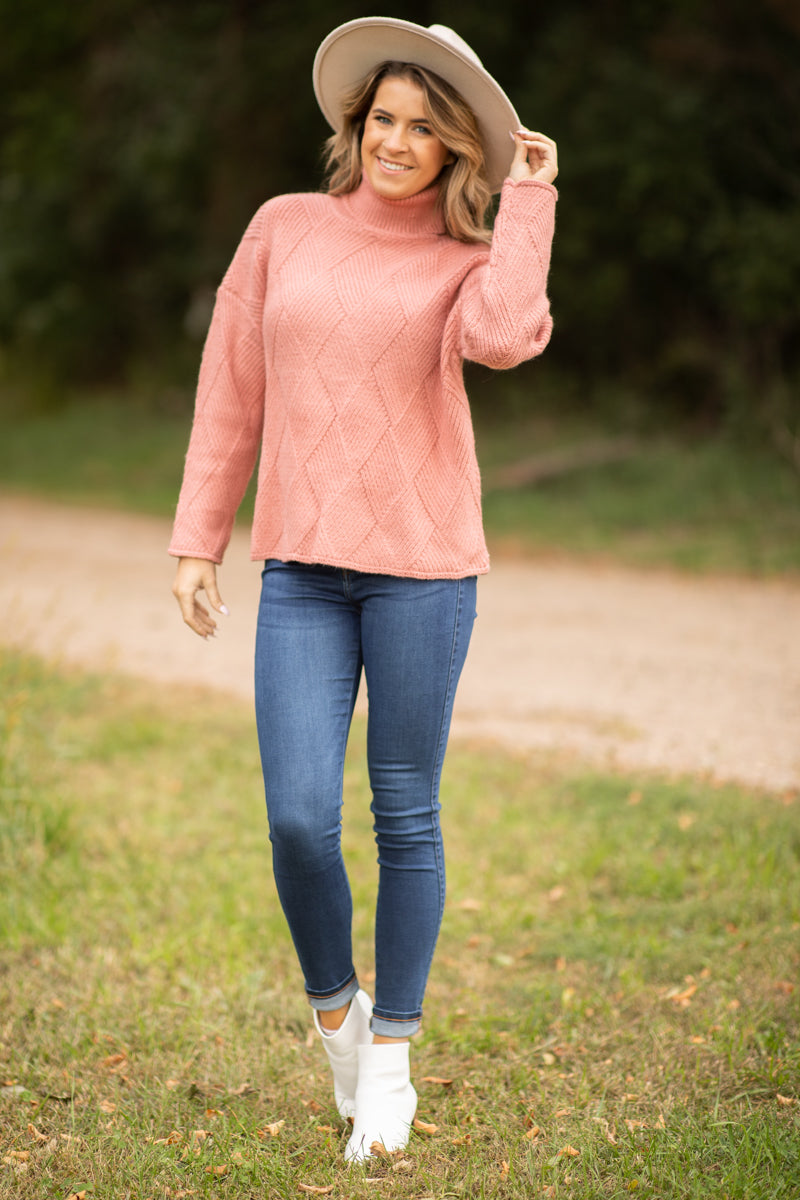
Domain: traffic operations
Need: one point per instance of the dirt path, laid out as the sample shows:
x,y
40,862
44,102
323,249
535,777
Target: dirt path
x,y
609,665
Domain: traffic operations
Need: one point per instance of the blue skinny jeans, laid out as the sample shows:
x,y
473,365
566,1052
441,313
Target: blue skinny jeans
x,y
318,626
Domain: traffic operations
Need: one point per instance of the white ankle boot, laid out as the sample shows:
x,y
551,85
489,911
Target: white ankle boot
x,y
385,1100
341,1046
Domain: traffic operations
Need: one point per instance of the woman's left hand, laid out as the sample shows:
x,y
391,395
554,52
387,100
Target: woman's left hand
x,y
535,157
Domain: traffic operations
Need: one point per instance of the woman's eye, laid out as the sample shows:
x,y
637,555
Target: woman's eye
x,y
381,119
421,129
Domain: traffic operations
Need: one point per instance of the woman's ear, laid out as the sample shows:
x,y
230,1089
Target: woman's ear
x,y
451,158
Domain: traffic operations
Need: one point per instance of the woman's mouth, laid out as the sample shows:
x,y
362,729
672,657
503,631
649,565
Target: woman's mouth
x,y
393,166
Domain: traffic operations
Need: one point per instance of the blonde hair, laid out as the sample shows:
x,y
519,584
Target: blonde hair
x,y
464,194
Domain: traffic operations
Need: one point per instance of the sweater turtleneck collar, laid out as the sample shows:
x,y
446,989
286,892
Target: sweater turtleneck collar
x,y
412,216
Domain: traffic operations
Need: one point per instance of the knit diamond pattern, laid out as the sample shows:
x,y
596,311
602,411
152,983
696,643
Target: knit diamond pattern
x,y
335,351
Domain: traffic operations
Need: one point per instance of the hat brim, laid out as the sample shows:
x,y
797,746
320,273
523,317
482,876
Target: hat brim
x,y
350,52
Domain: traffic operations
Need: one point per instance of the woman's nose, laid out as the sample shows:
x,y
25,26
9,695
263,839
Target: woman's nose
x,y
396,139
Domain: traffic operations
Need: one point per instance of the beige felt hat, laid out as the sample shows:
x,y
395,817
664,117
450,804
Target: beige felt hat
x,y
352,50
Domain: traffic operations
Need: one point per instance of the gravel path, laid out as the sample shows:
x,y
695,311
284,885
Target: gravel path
x,y
612,666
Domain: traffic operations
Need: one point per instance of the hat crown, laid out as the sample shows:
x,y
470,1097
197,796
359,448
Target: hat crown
x,y
445,34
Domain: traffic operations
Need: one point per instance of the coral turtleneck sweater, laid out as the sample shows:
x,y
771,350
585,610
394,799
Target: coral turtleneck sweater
x,y
336,349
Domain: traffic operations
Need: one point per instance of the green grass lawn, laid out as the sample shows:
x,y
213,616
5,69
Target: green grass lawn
x,y
693,503
613,1011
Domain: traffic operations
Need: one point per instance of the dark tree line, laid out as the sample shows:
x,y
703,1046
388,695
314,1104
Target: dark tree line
x,y
137,137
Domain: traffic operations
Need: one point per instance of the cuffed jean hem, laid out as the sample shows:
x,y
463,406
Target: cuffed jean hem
x,y
336,999
389,1027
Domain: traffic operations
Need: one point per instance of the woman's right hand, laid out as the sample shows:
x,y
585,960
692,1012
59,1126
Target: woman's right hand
x,y
195,575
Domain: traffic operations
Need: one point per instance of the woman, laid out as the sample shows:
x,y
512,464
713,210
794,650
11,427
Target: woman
x,y
336,351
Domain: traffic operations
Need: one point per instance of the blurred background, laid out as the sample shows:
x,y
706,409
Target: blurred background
x,y
138,137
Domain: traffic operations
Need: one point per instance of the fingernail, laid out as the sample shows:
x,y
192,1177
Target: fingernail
x,y
510,134
223,608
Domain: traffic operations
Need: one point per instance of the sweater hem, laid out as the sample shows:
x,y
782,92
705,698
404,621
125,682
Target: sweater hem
x,y
481,568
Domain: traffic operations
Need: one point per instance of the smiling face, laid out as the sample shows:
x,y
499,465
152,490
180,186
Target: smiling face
x,y
400,153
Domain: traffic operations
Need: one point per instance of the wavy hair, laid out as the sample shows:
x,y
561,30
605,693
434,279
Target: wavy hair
x,y
464,194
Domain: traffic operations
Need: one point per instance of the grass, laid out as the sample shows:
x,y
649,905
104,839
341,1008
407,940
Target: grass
x,y
614,1000
692,503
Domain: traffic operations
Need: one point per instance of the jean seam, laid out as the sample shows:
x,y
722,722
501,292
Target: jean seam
x,y
437,776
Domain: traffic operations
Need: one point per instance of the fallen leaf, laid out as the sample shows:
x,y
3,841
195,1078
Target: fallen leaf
x,y
403,1166
35,1134
107,1106
466,1140
548,1059
312,1105
786,1100
686,821
113,1060
633,1125
533,1132
609,1131
470,905
681,996
785,986
222,1169
77,1195
213,1112
504,1169
568,1152
17,1156
310,1190
175,1137
563,1112
556,893
200,1135
327,1129
424,1126
171,1084
271,1130
437,1079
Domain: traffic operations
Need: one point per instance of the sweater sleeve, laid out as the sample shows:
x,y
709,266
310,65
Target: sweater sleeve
x,y
502,315
229,409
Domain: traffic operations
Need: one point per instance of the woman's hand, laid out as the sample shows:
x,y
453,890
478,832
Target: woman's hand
x,y
535,157
194,575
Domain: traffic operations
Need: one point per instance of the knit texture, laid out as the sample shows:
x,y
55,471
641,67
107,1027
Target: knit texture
x,y
336,349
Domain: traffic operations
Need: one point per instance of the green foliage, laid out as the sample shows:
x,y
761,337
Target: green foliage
x,y
138,138
678,243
